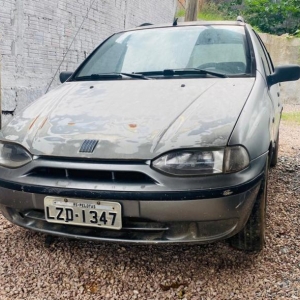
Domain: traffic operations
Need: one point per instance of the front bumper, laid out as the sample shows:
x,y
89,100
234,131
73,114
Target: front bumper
x,y
201,221
151,213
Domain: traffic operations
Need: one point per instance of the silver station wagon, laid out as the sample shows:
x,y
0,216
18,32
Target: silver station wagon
x,y
164,134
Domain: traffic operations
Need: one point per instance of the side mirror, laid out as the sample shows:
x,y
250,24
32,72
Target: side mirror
x,y
64,76
284,73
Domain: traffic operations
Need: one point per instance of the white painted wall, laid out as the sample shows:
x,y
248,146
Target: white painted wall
x,y
35,35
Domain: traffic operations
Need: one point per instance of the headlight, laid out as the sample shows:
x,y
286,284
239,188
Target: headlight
x,y
191,162
13,155
203,162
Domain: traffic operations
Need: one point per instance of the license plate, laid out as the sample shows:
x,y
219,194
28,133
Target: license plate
x,y
92,213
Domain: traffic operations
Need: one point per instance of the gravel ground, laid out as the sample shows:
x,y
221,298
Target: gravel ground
x,y
69,269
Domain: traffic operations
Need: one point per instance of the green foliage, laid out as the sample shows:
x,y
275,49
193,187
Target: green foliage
x,y
291,117
274,17
180,13
232,8
210,12
271,16
297,33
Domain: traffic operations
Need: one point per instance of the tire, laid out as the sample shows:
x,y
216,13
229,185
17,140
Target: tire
x,y
252,237
275,153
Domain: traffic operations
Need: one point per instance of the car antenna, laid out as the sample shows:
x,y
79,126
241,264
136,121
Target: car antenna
x,y
175,22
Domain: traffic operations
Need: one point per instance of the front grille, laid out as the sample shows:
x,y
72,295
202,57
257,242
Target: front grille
x,y
88,146
92,175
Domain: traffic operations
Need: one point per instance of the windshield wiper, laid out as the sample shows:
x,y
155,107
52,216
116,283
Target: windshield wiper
x,y
194,71
111,76
135,75
184,71
217,74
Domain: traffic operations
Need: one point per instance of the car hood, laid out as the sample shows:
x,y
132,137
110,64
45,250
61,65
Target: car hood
x,y
131,119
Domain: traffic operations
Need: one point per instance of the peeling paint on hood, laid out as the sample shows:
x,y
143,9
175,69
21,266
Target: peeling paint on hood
x,y
132,119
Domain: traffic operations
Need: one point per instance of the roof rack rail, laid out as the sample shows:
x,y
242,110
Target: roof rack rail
x,y
240,19
145,24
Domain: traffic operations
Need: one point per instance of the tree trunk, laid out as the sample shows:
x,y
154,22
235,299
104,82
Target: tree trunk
x,y
191,10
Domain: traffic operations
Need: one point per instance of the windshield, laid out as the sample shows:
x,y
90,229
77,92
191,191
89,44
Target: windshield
x,y
220,49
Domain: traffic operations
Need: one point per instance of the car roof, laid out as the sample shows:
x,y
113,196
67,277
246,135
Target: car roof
x,y
184,24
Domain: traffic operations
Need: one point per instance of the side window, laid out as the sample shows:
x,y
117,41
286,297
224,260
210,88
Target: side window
x,y
269,60
263,55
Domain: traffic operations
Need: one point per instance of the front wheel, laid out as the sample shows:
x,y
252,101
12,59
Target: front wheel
x,y
275,153
252,236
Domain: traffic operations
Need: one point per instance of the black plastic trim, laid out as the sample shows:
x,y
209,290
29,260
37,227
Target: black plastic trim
x,y
98,194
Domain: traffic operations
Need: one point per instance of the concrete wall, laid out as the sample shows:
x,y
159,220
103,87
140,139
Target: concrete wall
x,y
285,50
35,36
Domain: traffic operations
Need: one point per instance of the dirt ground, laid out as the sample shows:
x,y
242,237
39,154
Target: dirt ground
x,y
69,269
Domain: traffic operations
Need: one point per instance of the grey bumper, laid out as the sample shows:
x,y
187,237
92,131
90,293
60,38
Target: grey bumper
x,y
198,220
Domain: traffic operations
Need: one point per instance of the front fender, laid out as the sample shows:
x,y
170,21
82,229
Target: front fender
x,y
254,126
